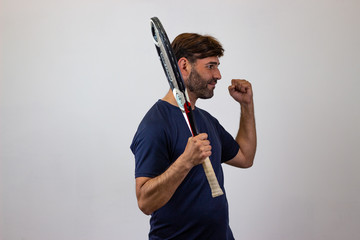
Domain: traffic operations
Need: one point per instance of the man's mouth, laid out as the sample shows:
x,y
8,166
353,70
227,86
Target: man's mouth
x,y
212,83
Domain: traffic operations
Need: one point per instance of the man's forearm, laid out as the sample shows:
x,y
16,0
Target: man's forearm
x,y
156,192
246,136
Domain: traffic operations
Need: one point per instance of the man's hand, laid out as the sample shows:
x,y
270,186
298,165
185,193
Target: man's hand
x,y
241,91
198,148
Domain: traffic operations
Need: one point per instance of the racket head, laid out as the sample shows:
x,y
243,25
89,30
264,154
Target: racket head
x,y
172,72
169,62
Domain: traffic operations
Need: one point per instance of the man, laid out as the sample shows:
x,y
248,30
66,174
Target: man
x,y
170,181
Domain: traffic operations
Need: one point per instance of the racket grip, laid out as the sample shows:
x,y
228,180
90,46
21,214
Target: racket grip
x,y
211,177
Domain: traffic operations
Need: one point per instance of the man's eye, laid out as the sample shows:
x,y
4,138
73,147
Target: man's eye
x,y
210,66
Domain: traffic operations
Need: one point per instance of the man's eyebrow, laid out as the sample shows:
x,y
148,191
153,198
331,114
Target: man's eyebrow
x,y
214,63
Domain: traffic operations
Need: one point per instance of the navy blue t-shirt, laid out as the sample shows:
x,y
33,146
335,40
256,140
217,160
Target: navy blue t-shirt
x,y
191,213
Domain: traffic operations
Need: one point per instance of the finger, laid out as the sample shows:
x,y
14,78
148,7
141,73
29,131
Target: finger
x,y
202,136
205,143
243,86
206,148
238,87
236,84
237,81
205,154
231,87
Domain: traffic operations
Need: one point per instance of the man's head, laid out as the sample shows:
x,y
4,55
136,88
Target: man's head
x,y
194,46
198,60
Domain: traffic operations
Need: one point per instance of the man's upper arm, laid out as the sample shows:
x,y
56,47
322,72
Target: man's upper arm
x,y
239,161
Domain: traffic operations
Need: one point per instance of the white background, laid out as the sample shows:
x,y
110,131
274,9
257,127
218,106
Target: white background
x,y
77,76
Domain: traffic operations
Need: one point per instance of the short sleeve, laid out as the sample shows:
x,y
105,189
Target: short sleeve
x,y
150,151
229,146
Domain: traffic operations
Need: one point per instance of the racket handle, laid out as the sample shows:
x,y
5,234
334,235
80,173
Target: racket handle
x,y
211,177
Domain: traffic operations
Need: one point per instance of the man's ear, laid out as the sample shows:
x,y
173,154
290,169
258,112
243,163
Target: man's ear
x,y
185,67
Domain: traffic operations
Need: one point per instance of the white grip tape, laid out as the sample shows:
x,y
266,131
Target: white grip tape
x,y
211,177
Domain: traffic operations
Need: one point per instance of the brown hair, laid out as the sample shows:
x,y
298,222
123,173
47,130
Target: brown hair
x,y
195,46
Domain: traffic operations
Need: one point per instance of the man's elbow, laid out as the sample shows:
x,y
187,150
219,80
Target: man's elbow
x,y
240,161
144,208
247,164
248,161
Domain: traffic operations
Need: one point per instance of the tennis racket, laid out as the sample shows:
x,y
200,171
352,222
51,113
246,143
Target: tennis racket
x,y
176,82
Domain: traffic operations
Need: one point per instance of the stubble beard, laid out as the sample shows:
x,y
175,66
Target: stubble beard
x,y
199,86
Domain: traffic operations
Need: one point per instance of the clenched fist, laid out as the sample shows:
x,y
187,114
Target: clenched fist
x,y
197,149
241,91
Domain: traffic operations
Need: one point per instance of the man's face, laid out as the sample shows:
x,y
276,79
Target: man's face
x,y
203,77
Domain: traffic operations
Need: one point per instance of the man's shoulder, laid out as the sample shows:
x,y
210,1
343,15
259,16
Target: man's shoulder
x,y
160,111
152,125
159,117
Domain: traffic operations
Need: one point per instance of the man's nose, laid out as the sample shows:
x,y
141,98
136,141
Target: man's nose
x,y
217,74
